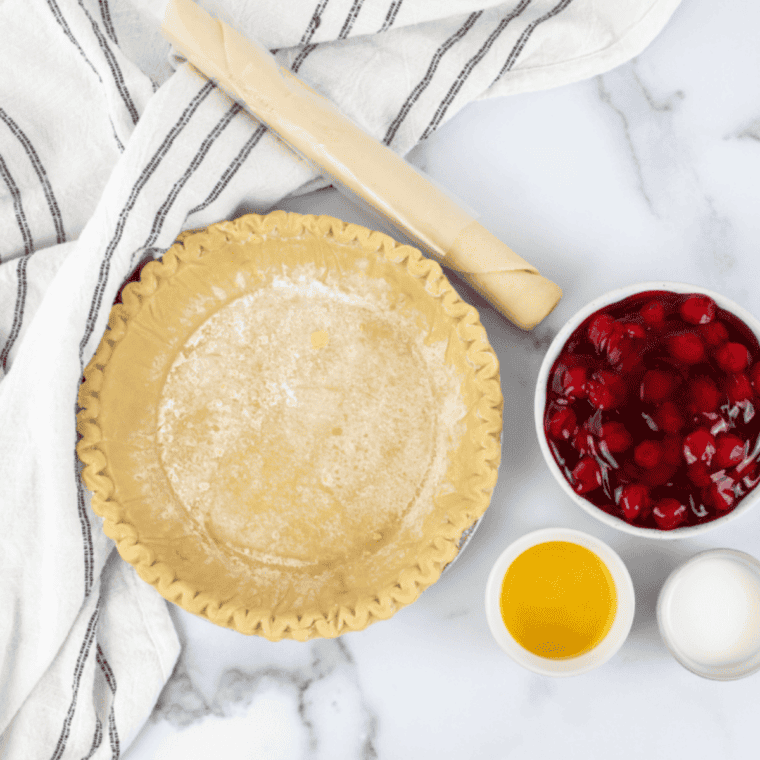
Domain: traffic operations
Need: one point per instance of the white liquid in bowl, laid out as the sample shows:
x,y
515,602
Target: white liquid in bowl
x,y
709,614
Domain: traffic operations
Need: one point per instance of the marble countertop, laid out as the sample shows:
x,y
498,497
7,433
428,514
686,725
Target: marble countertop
x,y
647,172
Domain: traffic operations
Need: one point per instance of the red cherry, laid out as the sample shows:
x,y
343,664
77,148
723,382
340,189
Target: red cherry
x,y
738,388
625,344
648,454
587,475
600,396
634,331
732,357
566,361
599,330
699,474
615,436
729,450
669,418
653,313
698,310
606,390
699,446
614,339
704,395
714,333
657,385
562,424
669,513
720,495
635,501
574,383
686,347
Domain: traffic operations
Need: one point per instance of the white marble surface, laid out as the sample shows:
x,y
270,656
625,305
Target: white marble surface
x,y
648,172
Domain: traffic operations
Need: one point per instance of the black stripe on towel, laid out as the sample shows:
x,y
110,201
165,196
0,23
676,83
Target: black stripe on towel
x,y
518,48
422,85
56,11
314,22
58,16
390,17
96,739
113,64
84,523
105,14
459,82
232,169
119,143
145,175
302,56
210,139
348,24
84,652
18,207
113,734
26,235
55,212
39,170
18,312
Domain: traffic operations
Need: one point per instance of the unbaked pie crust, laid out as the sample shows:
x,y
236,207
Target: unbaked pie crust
x,y
289,424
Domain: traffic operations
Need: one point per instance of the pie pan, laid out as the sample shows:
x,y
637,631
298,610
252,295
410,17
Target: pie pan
x,y
289,424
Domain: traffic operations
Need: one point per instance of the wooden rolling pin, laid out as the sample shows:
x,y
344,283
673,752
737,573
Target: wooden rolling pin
x,y
314,128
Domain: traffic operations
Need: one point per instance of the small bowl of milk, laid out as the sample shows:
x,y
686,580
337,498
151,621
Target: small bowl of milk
x,y
708,612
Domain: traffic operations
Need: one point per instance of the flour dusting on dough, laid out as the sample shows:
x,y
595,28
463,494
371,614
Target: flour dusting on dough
x,y
298,456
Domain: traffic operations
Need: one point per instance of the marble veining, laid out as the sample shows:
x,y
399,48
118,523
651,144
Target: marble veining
x,y
617,90
330,717
664,163
750,132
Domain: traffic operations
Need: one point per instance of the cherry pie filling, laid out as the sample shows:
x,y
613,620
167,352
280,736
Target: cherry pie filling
x,y
652,410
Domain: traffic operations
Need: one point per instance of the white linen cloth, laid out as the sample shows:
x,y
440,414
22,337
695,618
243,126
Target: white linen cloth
x,y
100,169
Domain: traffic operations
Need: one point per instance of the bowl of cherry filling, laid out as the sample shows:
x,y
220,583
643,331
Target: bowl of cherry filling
x,y
647,409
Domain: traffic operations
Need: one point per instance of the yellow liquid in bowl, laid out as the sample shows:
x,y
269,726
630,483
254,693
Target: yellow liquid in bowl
x,y
558,600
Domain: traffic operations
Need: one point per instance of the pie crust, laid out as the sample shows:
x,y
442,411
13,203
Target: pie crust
x,y
289,424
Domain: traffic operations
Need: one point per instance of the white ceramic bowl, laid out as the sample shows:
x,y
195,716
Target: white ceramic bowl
x,y
708,612
747,503
606,648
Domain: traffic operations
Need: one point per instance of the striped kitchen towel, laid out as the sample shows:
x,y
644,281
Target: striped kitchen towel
x,y
100,169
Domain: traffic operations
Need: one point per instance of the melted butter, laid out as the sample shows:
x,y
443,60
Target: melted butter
x,y
558,600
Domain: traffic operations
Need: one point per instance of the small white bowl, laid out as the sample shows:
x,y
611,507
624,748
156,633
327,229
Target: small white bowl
x,y
613,296
606,648
708,612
